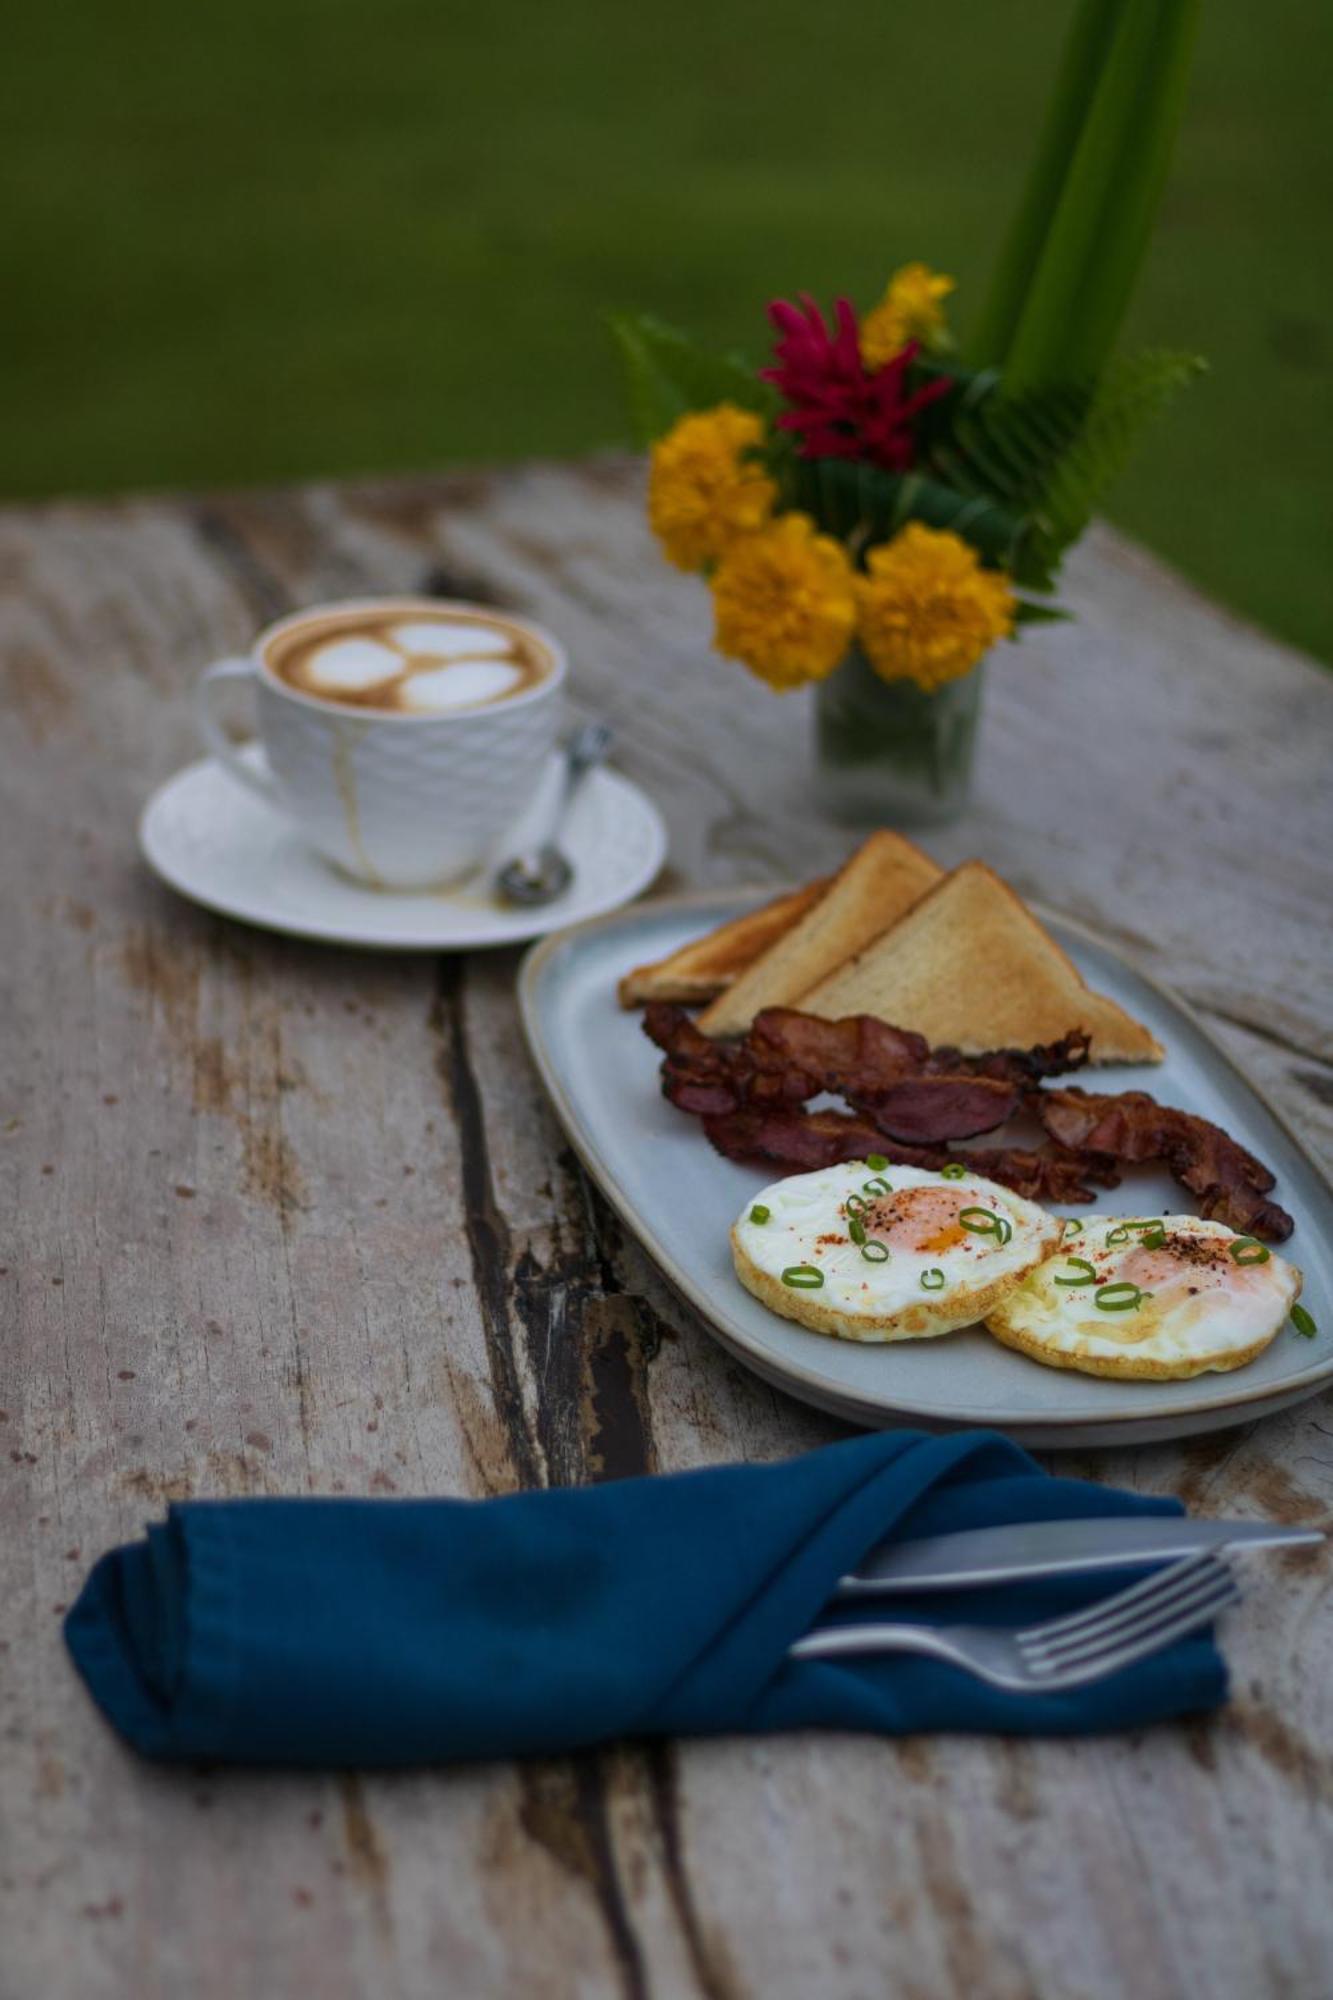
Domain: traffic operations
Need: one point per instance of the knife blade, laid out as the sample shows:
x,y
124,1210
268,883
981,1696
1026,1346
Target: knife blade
x,y
1053,1548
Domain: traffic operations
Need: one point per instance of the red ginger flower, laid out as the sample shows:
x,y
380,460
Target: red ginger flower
x,y
840,408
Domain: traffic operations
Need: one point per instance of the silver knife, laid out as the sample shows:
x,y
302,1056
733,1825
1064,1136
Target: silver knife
x,y
1054,1548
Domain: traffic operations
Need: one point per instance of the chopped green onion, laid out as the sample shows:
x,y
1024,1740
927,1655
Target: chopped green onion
x,y
876,1162
878,1186
803,1277
932,1280
875,1253
955,1171
1150,1224
1073,1227
1303,1322
1245,1250
1154,1239
855,1205
1122,1297
856,1229
1086,1273
759,1213
990,1224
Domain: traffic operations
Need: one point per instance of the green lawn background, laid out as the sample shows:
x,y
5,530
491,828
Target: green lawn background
x,y
291,237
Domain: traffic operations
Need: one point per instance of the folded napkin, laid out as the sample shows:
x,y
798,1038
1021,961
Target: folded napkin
x,y
364,1632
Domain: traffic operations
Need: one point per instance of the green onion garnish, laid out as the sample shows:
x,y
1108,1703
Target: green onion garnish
x,y
932,1280
955,1171
876,1162
875,1253
1085,1273
1073,1227
1303,1322
1154,1239
1122,1297
985,1222
803,1277
759,1213
1151,1224
855,1205
1245,1250
856,1229
878,1186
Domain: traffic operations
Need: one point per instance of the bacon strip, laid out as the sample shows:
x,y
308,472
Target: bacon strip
x,y
907,1101
802,1140
1231,1185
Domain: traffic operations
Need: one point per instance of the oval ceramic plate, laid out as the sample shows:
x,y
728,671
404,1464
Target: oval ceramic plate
x,y
680,1198
216,843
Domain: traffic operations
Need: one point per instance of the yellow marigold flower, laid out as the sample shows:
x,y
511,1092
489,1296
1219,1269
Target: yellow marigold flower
x,y
912,309
927,610
784,602
703,490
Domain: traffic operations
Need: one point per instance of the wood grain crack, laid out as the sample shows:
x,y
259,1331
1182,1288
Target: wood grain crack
x,y
487,1231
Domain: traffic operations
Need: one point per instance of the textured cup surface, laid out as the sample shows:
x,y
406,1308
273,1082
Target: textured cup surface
x,y
406,801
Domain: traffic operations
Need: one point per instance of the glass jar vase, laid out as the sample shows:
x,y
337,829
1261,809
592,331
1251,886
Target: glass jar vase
x,y
889,754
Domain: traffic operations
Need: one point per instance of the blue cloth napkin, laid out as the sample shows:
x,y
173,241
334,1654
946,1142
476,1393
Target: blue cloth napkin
x,y
376,1632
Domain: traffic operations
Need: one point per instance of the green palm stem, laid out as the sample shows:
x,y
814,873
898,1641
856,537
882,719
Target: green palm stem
x,y
1081,66
1099,232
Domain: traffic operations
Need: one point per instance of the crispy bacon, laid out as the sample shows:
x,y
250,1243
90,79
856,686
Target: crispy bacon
x,y
1231,1185
802,1140
923,1109
907,1101
1021,1065
860,1055
788,1058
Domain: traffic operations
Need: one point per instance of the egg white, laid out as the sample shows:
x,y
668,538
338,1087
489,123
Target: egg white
x,y
1201,1311
807,1224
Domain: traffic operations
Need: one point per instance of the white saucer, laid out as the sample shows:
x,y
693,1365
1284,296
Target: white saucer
x,y
214,842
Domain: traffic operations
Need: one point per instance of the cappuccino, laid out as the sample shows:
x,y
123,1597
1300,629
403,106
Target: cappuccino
x,y
409,661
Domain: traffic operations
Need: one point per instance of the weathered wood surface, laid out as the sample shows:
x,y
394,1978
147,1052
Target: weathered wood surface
x,y
283,1219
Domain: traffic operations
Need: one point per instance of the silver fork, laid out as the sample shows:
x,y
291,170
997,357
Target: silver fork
x,y
1062,1652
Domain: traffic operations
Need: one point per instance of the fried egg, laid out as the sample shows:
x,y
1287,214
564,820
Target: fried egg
x,y
870,1252
1159,1297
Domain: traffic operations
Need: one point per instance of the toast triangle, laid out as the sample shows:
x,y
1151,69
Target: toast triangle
x,y
881,881
970,967
706,966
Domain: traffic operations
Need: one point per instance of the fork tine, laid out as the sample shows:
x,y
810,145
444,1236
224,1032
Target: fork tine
x,y
1116,1615
1098,1666
1093,1614
1202,1597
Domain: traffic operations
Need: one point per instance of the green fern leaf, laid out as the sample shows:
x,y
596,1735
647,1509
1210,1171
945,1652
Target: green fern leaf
x,y
1131,393
667,374
864,504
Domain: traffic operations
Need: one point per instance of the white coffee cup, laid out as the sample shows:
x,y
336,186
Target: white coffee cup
x,y
398,800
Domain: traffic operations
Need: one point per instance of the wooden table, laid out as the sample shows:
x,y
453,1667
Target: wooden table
x,y
282,1219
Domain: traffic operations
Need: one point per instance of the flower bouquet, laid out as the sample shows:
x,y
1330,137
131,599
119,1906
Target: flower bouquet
x,y
874,510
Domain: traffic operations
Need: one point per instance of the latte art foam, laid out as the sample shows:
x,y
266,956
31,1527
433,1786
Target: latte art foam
x,y
421,662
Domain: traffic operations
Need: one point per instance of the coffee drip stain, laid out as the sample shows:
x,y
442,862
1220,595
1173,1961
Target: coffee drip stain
x,y
346,736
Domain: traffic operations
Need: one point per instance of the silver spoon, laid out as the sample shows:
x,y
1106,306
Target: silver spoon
x,y
542,871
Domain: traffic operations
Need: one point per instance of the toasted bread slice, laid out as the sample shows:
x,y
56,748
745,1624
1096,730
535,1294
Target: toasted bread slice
x,y
706,966
882,880
971,968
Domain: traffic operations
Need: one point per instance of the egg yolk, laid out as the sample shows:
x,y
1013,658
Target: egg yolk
x,y
1188,1263
919,1218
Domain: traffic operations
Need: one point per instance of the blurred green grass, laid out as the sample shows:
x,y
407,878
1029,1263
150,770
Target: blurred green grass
x,y
292,237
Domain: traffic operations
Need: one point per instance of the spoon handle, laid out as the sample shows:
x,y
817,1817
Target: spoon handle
x,y
583,753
